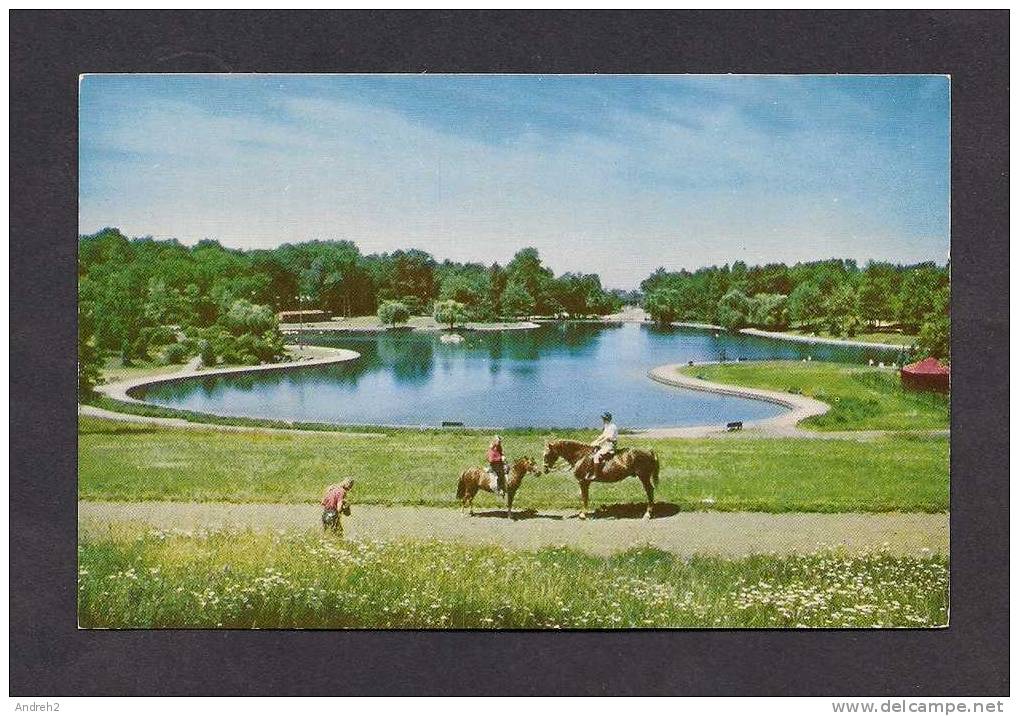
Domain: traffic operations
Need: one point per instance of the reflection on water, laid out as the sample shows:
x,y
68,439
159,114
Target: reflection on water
x,y
558,375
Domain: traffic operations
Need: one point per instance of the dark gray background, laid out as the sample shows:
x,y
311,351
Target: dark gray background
x,y
49,656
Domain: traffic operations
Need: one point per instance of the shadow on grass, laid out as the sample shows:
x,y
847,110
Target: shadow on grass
x,y
528,514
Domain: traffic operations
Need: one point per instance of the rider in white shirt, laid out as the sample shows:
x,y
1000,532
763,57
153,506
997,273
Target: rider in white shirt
x,y
606,443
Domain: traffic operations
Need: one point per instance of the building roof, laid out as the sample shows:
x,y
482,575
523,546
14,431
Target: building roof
x,y
927,366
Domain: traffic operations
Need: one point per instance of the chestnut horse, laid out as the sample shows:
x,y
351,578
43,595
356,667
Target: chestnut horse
x,y
642,464
477,478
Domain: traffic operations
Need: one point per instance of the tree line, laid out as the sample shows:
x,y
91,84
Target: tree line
x,y
835,296
147,299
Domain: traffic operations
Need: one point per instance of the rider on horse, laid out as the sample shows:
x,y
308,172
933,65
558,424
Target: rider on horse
x,y
497,464
606,444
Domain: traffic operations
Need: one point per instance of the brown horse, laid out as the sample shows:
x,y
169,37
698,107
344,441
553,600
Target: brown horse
x,y
643,464
477,478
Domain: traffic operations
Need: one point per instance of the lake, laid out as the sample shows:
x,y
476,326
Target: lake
x,y
562,375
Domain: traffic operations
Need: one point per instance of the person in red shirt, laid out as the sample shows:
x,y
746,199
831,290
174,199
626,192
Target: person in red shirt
x,y
334,504
497,464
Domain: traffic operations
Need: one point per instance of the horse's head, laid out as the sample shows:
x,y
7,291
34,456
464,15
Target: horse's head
x,y
528,465
549,457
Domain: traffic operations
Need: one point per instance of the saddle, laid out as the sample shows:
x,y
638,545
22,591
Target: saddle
x,y
611,454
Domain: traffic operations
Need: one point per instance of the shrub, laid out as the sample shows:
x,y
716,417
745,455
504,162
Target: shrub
x,y
392,312
206,352
449,313
246,317
177,353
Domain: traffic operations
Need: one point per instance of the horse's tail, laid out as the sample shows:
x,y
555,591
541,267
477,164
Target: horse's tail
x,y
654,468
461,487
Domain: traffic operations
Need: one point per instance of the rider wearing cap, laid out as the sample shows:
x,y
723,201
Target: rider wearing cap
x,y
606,444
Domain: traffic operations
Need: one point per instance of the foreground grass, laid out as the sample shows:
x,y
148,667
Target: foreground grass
x,y
249,580
123,462
861,397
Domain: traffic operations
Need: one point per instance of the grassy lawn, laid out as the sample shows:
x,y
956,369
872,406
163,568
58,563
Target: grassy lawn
x,y
119,461
879,336
246,580
114,370
861,397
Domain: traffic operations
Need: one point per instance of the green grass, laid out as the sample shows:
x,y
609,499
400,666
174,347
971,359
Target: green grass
x,y
124,462
887,337
114,369
861,397
257,580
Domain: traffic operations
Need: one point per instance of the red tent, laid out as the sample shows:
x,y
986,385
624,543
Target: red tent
x,y
927,374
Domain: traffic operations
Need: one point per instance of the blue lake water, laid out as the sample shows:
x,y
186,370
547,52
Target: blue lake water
x,y
553,376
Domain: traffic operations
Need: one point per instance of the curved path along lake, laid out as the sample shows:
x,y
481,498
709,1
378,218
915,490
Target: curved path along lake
x,y
562,375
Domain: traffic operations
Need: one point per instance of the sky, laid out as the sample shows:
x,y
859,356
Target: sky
x,y
615,175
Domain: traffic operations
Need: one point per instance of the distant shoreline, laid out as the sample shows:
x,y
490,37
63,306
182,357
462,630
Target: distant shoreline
x,y
820,340
340,327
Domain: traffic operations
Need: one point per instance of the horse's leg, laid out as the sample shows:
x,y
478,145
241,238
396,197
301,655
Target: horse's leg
x,y
509,503
645,480
584,486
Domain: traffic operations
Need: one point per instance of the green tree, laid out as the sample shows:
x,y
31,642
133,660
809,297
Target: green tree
x,y
162,305
516,301
769,310
469,290
876,292
662,304
935,331
89,359
805,307
392,312
842,311
734,310
246,317
917,294
449,313
526,269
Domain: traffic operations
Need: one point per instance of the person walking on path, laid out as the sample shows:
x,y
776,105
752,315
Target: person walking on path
x,y
334,504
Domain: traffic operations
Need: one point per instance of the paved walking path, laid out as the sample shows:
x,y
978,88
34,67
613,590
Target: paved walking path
x,y
819,340
121,389
800,406
616,529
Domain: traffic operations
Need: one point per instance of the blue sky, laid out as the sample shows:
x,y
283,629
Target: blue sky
x,y
610,174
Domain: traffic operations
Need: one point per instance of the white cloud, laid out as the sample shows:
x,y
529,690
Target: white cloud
x,y
686,186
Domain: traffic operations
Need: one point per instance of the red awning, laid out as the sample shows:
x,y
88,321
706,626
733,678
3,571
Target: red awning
x,y
928,366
